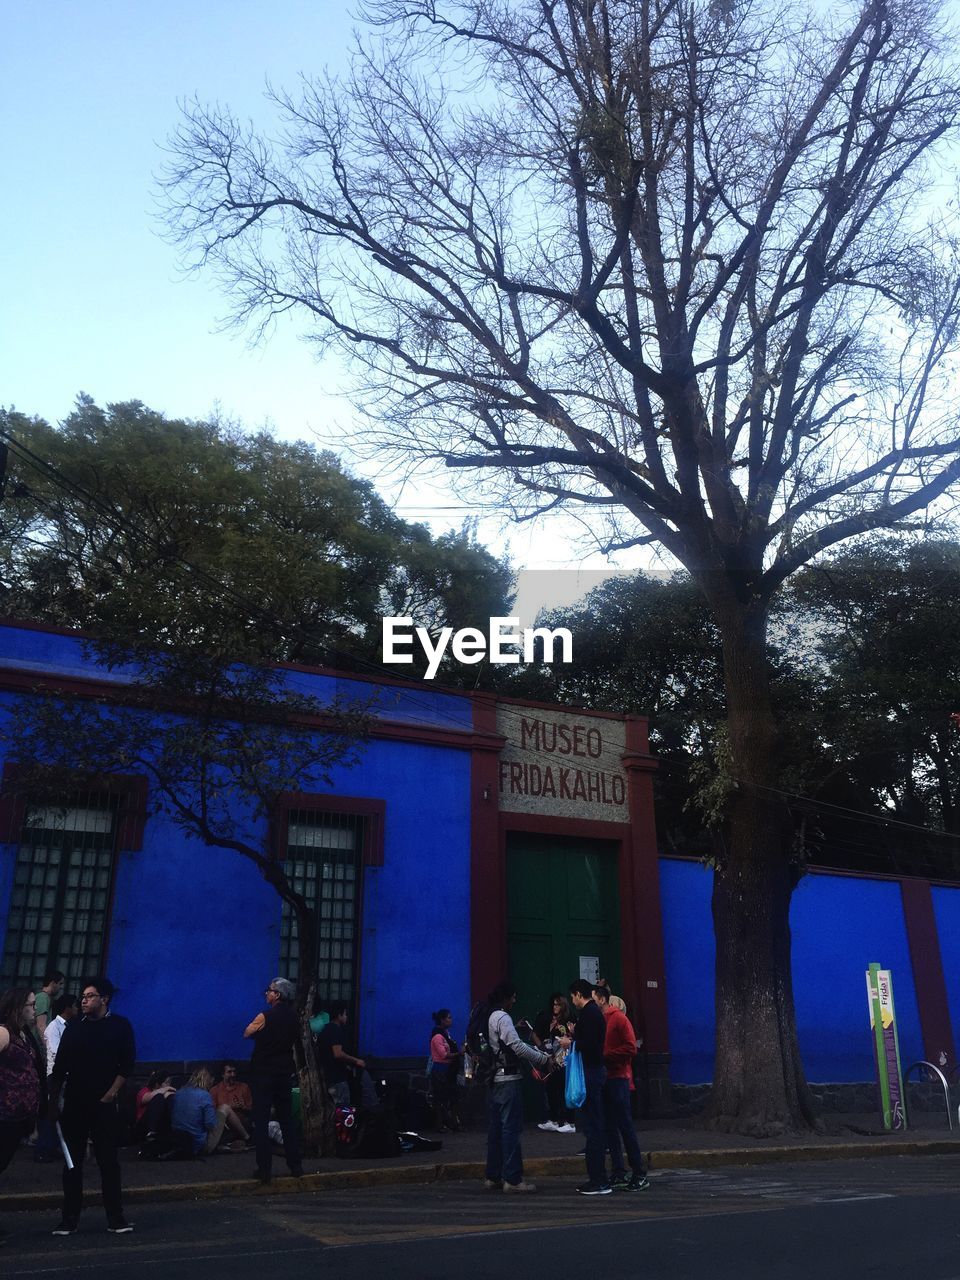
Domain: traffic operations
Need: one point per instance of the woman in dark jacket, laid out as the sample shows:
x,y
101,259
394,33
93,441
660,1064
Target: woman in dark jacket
x,y
22,1076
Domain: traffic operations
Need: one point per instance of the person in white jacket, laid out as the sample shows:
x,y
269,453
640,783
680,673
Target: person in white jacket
x,y
64,1008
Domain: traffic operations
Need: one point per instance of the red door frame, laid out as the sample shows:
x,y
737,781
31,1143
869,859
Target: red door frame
x,y
641,930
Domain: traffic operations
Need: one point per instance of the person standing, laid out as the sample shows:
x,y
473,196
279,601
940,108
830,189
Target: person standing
x,y
274,1033
64,1008
504,1099
94,1060
333,1056
548,1026
589,1036
619,1051
21,1077
444,1057
52,987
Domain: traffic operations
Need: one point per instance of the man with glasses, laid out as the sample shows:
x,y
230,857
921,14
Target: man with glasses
x,y
94,1060
274,1033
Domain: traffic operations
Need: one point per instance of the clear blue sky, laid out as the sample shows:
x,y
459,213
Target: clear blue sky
x,y
93,299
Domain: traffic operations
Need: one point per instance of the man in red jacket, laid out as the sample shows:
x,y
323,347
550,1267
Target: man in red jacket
x,y
619,1051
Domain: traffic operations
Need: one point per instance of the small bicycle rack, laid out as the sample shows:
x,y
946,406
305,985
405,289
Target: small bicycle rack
x,y
934,1071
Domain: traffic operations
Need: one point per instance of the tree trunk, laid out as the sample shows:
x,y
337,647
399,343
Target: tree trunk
x,y
316,1106
759,1085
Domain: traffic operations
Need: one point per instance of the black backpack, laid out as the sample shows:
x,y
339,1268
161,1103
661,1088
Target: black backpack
x,y
486,1062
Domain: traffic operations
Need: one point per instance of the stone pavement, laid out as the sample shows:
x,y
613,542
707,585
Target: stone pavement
x,y
670,1144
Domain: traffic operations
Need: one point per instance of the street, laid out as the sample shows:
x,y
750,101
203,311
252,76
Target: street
x,y
898,1216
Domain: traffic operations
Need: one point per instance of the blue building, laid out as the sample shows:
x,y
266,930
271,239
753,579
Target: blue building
x,y
476,836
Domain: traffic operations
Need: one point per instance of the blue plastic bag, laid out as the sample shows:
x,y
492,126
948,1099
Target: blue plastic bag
x,y
576,1088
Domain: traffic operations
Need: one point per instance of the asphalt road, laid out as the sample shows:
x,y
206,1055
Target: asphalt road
x,y
896,1217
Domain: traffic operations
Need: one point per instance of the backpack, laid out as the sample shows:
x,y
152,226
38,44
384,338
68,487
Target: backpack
x,y
486,1062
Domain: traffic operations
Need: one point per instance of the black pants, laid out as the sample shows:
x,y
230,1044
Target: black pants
x,y
100,1122
155,1118
12,1133
273,1090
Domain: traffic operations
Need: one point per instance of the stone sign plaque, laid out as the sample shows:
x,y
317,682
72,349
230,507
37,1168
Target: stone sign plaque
x,y
562,763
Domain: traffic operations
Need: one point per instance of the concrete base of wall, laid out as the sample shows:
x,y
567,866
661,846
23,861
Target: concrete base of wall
x,y
847,1099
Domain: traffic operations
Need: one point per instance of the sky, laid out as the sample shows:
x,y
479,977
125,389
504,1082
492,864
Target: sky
x,y
94,298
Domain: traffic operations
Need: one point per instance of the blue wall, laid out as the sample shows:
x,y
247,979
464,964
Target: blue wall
x,y
840,925
946,907
689,956
194,934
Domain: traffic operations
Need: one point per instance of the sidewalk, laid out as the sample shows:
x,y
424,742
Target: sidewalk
x,y
670,1144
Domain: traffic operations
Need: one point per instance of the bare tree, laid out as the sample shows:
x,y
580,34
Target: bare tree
x,y
662,260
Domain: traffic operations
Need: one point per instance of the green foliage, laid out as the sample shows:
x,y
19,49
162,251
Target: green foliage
x,y
132,525
884,613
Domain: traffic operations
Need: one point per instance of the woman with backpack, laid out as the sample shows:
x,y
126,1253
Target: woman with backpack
x,y
444,1061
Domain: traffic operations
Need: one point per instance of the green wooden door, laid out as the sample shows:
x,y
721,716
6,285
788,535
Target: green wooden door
x,y
562,903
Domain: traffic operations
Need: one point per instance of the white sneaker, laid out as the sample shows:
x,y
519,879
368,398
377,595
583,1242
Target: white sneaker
x,y
564,1128
550,1126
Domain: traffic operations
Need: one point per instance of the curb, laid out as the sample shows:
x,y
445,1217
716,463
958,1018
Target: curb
x,y
465,1170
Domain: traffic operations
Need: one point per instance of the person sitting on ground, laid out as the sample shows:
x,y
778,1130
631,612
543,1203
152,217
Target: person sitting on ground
x,y
334,1059
233,1093
153,1106
197,1125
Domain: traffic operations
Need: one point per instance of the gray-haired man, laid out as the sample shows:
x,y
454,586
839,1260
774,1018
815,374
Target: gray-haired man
x,y
274,1033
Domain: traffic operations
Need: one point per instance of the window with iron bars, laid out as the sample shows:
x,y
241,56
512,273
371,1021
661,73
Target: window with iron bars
x,y
60,901
324,864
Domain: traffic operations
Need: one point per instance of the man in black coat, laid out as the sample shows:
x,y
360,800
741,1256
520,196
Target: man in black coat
x,y
94,1060
589,1037
274,1033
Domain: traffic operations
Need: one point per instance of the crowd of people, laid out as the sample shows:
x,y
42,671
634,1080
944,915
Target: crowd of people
x,y
65,1061
62,1077
594,1027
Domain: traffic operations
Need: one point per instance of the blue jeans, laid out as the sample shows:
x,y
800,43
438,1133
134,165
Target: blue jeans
x,y
619,1123
504,1128
593,1124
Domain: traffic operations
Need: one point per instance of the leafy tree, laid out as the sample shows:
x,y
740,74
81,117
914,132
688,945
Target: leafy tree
x,y
659,259
196,558
883,613
124,520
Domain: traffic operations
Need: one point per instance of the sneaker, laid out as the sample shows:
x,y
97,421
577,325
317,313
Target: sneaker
x,y
619,1182
491,1184
119,1226
65,1229
565,1128
296,1171
549,1126
520,1186
261,1175
595,1189
639,1182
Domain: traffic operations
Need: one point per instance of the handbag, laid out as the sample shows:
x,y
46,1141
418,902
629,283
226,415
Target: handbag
x,y
575,1093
